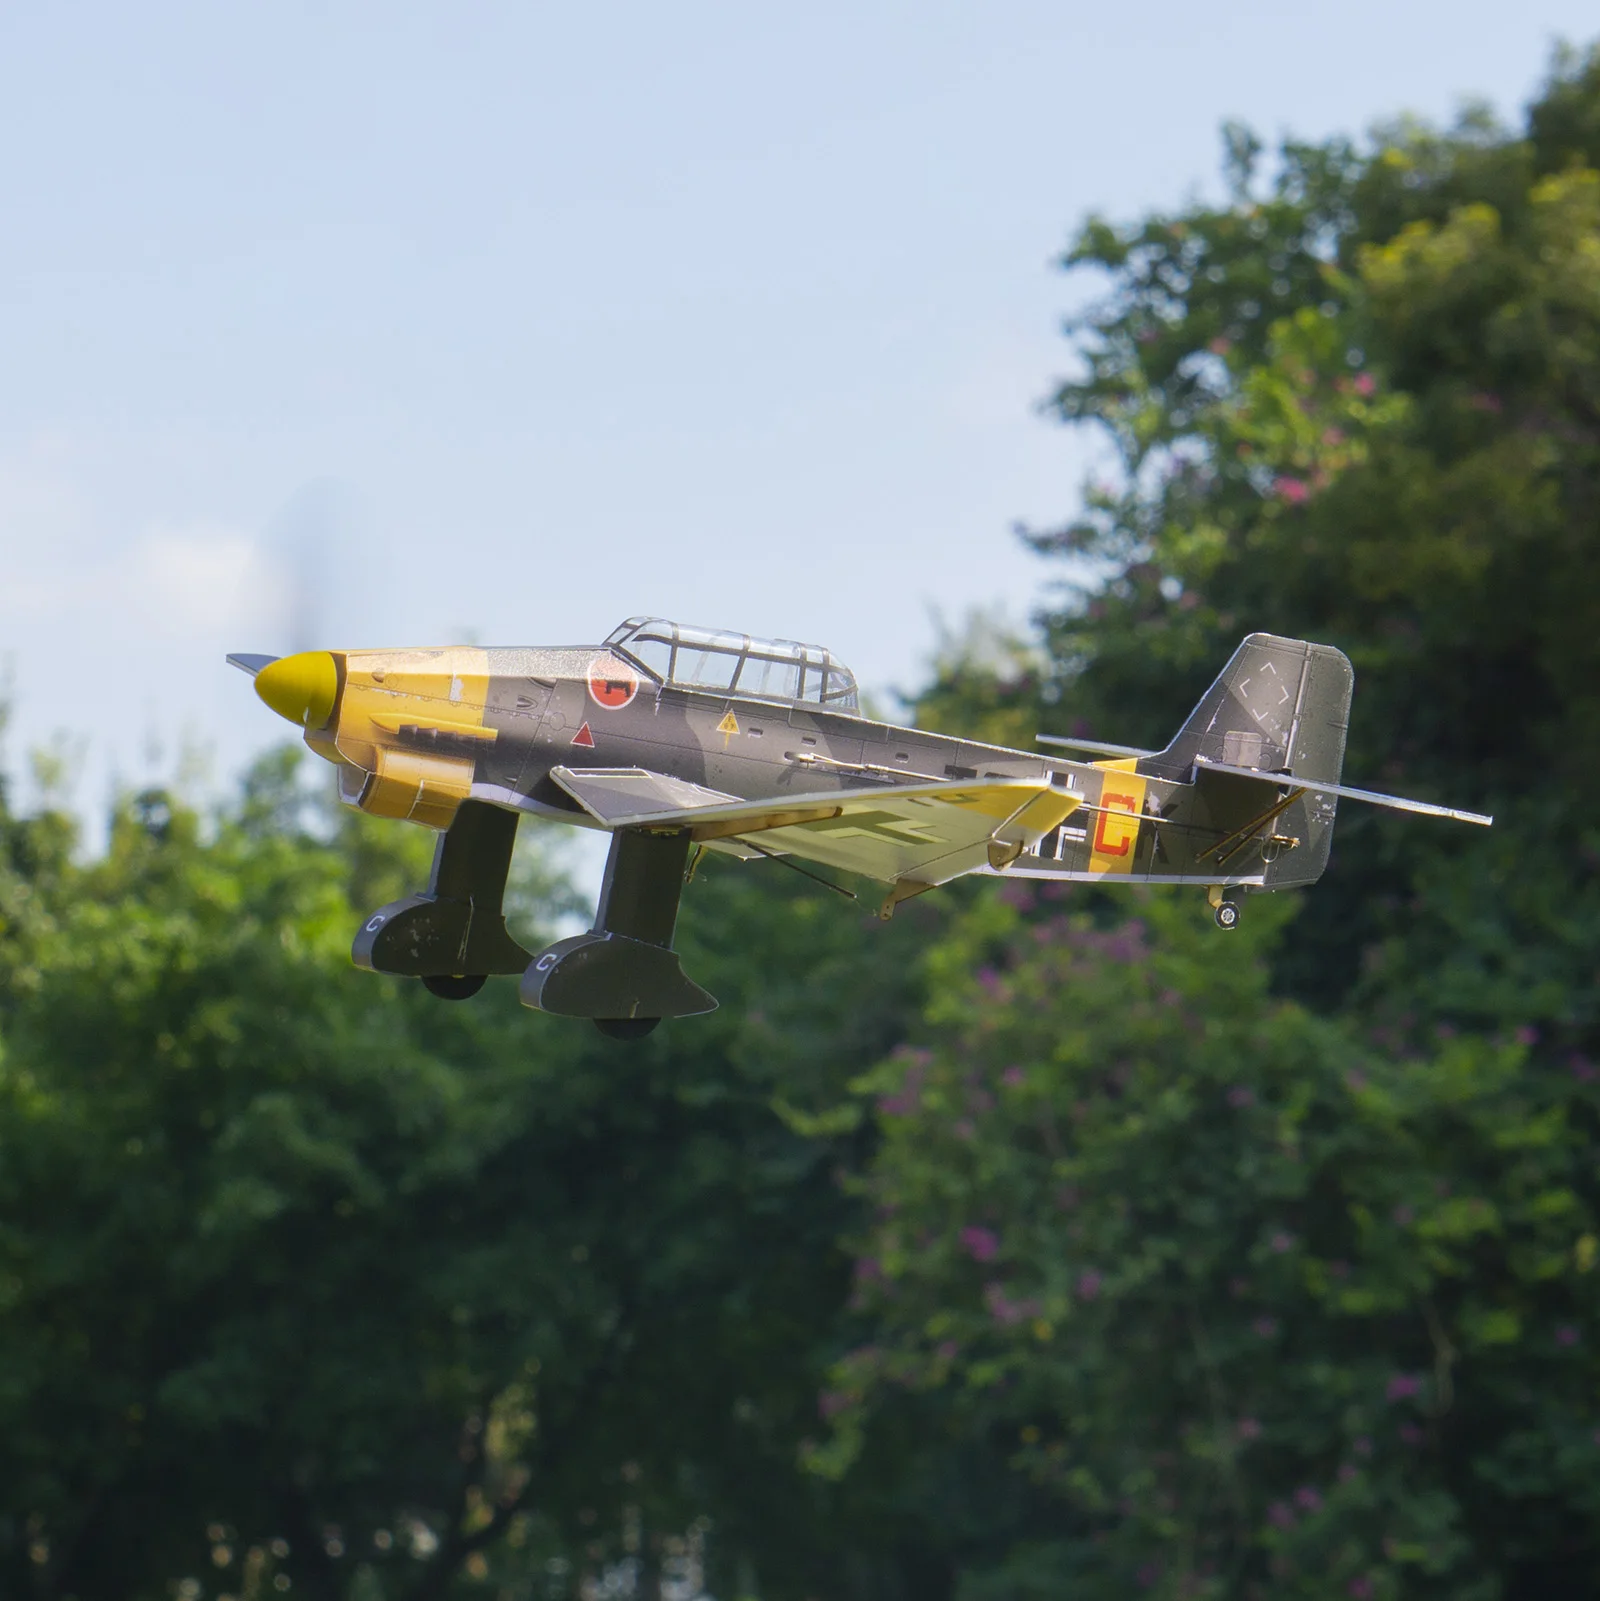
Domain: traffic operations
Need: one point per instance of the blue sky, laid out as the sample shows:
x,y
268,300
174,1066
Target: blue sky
x,y
363,325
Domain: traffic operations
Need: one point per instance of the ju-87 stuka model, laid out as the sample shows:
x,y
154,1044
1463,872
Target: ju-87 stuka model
x,y
678,740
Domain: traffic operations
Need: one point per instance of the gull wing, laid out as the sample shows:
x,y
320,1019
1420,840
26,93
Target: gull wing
x,y
917,833
1098,747
619,797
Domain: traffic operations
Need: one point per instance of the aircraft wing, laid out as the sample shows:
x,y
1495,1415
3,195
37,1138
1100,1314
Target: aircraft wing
x,y
1397,803
1098,747
919,833
617,797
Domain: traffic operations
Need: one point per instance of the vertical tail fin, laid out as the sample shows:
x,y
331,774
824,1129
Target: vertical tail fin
x,y
1280,705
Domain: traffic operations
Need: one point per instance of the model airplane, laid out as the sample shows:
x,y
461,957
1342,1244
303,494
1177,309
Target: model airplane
x,y
678,740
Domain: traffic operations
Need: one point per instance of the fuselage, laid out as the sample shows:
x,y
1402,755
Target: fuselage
x,y
415,732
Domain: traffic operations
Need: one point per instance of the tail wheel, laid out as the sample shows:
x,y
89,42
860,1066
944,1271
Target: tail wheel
x,y
625,1028
1227,914
454,986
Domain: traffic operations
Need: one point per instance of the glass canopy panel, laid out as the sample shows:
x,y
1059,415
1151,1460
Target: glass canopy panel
x,y
721,661
702,667
770,678
653,652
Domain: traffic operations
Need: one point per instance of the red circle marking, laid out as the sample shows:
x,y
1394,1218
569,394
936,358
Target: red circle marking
x,y
612,682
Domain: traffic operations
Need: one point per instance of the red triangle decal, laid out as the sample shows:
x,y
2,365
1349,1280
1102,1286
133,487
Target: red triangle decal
x,y
584,737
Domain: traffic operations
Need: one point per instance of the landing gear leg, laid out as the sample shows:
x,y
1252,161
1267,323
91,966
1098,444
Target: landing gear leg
x,y
623,974
1225,911
453,935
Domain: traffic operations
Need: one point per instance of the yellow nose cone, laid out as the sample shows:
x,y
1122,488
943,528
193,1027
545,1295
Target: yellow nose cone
x,y
302,687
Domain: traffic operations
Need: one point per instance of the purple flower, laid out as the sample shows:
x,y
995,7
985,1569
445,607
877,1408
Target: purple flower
x,y
963,1129
1361,1588
1249,1429
832,1402
1088,1285
1526,1034
1347,1473
1582,1068
1308,1498
1403,1386
1240,1095
1282,1514
1282,1242
1566,1335
1410,1433
1013,1078
1001,1309
1266,1327
868,1270
1292,490
947,1351
982,1245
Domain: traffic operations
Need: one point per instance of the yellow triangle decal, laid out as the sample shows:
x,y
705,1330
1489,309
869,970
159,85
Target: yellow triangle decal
x,y
729,724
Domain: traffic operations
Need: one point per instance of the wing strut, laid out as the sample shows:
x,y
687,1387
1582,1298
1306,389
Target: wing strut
x,y
804,872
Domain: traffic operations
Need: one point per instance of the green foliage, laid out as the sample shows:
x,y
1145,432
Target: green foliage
x,y
363,1283
1266,1262
1256,1299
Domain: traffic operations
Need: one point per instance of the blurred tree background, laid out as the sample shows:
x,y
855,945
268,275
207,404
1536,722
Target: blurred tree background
x,y
1030,1245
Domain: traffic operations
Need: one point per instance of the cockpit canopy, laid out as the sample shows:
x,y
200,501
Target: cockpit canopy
x,y
735,664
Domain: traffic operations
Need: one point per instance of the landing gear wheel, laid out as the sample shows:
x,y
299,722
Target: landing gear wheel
x,y
454,986
625,1028
1227,914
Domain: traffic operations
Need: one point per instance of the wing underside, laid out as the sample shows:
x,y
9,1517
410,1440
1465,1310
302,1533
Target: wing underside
x,y
922,834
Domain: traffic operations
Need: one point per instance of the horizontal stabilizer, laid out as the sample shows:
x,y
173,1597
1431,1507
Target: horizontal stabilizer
x,y
246,662
1397,803
1100,747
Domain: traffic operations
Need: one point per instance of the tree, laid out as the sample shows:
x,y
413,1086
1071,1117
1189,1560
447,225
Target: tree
x,y
1358,401
309,1276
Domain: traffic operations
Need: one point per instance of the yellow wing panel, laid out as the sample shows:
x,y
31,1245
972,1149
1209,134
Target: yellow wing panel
x,y
923,835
